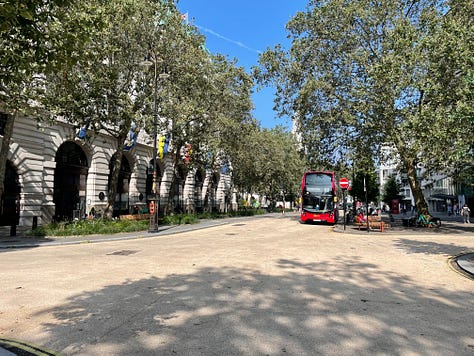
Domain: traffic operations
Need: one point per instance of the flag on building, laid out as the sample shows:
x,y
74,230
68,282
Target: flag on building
x,y
163,144
186,152
225,168
82,133
184,17
131,139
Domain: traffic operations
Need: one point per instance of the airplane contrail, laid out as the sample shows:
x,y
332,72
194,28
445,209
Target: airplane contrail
x,y
240,44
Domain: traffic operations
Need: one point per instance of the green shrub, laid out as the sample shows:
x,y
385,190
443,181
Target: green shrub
x,y
88,227
103,226
178,219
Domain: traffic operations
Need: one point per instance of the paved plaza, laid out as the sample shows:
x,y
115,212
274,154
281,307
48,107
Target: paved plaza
x,y
250,286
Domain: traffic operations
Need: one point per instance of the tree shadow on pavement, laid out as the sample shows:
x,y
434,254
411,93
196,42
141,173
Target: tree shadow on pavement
x,y
431,248
343,307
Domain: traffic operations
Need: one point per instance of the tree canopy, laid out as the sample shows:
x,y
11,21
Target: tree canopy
x,y
371,74
85,58
268,162
29,47
391,190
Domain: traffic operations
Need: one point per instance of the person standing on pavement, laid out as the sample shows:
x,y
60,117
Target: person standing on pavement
x,y
466,212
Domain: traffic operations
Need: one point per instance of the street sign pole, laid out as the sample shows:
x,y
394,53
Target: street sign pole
x,y
344,184
366,205
344,206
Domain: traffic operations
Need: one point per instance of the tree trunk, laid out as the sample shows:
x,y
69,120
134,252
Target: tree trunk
x,y
408,159
8,132
112,190
420,202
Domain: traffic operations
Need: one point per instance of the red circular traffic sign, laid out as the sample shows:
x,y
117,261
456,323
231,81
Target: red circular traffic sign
x,y
344,183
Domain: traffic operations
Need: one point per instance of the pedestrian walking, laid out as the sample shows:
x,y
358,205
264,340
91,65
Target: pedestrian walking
x,y
466,212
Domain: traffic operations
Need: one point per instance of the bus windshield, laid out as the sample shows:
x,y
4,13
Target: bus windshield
x,y
315,203
319,184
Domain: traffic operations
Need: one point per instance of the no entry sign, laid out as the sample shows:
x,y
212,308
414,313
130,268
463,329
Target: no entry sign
x,y
344,183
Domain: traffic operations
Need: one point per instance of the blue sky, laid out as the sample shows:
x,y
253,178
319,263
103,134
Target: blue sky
x,y
242,29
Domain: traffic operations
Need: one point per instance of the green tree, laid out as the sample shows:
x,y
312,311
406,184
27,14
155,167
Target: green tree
x,y
365,73
108,89
30,46
231,106
87,56
209,103
362,183
268,163
391,190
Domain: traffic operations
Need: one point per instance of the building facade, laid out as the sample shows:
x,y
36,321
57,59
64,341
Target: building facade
x,y
51,174
441,193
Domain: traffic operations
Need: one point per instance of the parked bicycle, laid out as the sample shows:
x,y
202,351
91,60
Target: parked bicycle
x,y
427,221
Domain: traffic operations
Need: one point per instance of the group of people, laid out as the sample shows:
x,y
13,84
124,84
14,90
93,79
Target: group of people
x,y
455,209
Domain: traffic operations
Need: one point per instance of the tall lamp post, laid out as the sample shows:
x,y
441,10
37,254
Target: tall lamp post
x,y
154,204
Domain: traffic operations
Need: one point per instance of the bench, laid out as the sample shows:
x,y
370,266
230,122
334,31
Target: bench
x,y
375,223
359,223
135,217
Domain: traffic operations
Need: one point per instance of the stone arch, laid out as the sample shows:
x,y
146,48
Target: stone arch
x,y
16,156
86,148
122,201
198,186
70,177
210,200
177,191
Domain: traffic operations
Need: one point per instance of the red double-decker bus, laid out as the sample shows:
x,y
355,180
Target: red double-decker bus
x,y
318,197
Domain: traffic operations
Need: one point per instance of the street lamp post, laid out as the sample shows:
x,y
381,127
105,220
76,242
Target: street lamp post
x,y
154,204
153,226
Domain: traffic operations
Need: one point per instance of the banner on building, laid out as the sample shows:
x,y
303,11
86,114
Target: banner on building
x,y
131,139
163,144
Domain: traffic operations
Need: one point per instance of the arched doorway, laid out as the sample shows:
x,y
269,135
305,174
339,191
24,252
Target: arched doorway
x,y
198,184
121,203
178,189
211,195
70,177
10,213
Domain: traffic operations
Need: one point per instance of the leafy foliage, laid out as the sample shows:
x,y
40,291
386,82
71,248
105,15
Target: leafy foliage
x,y
268,162
102,226
88,227
376,74
363,183
391,190
28,45
201,104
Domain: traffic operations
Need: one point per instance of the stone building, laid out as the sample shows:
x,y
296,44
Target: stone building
x,y
53,175
441,192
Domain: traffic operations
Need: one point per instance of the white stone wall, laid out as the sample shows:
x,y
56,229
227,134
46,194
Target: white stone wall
x,y
33,152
